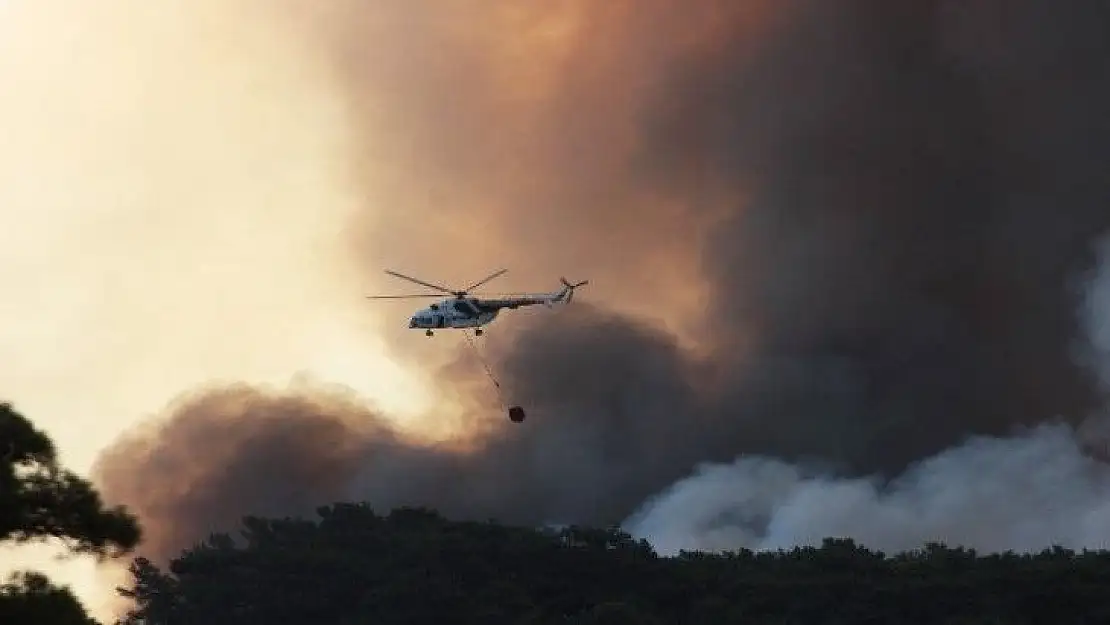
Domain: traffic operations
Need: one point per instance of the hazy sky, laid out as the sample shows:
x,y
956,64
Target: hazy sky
x,y
176,179
174,196
827,244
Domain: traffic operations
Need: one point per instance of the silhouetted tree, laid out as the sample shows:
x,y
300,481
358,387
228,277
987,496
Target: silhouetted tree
x,y
30,598
40,500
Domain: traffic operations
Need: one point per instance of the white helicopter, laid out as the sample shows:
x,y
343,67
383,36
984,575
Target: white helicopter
x,y
463,312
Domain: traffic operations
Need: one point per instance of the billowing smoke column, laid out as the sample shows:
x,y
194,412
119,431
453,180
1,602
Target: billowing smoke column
x,y
889,207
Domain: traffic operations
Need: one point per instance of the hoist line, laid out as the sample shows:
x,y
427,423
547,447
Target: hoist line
x,y
489,372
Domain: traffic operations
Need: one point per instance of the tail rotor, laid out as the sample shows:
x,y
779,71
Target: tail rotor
x,y
568,289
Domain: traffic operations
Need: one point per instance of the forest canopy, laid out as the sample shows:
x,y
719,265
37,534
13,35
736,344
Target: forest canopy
x,y
411,565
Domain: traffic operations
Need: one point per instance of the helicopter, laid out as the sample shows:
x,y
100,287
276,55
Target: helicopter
x,y
465,312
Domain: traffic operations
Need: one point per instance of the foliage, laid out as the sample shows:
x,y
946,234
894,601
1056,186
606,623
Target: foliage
x,y
40,500
31,598
413,566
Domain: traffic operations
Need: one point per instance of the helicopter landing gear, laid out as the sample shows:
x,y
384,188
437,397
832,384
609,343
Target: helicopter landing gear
x,y
477,332
428,333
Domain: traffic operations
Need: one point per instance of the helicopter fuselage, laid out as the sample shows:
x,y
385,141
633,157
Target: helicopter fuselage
x,y
463,312
453,313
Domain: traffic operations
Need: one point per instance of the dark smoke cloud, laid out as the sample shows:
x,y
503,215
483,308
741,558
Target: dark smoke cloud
x,y
899,198
902,269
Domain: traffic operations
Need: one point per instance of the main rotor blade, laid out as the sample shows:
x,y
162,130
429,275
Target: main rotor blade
x,y
485,280
421,282
403,296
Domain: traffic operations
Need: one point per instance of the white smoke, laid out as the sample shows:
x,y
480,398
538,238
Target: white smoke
x,y
1095,314
1025,492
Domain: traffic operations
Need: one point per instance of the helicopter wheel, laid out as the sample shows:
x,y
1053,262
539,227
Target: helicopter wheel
x,y
428,332
478,332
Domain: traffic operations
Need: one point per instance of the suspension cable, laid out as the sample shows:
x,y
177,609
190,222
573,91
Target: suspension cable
x,y
485,365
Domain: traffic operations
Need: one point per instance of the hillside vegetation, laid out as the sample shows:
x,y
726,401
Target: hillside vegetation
x,y
354,566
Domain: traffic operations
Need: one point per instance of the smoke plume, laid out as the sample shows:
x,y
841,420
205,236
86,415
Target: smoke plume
x,y
883,206
846,237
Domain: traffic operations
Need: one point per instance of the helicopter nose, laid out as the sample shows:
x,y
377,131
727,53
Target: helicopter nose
x,y
412,322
